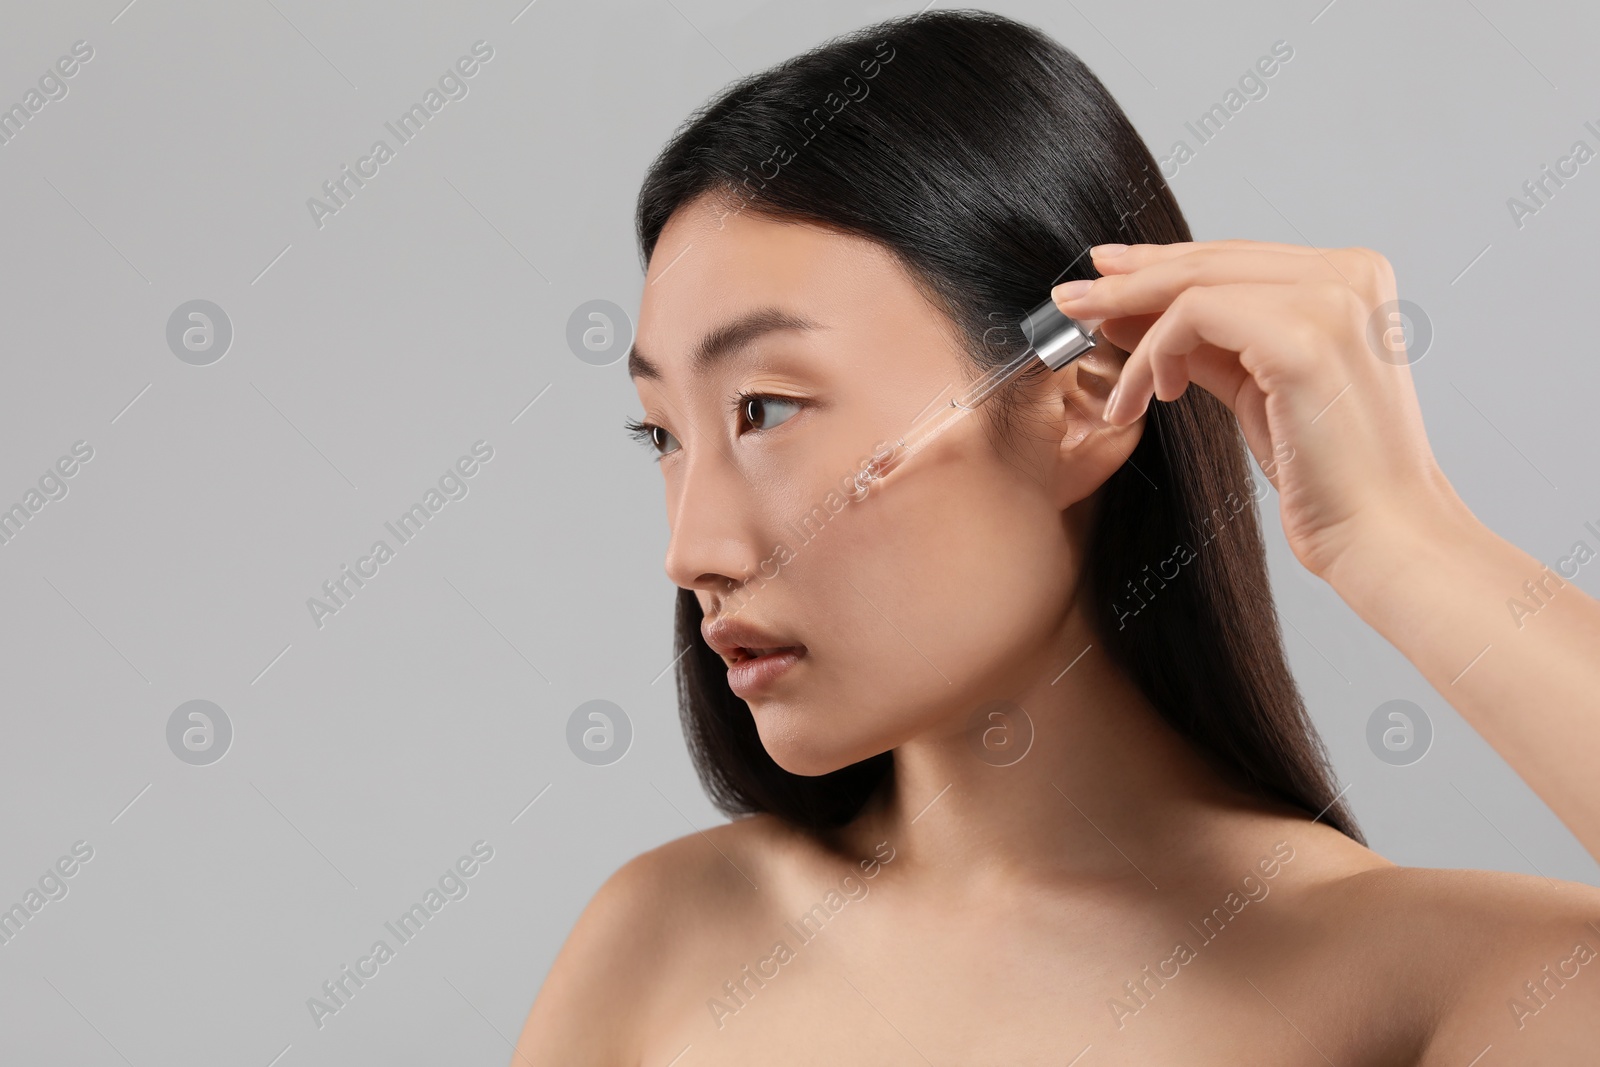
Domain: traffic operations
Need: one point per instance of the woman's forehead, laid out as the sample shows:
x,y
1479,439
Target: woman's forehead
x,y
746,252
707,273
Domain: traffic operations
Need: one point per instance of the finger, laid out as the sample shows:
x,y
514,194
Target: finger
x,y
1237,322
1219,372
1216,370
1250,407
1153,288
1126,333
1141,255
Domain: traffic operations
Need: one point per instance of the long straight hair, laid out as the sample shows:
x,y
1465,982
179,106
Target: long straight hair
x,y
988,159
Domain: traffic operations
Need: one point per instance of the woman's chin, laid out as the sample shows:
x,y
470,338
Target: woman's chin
x,y
811,756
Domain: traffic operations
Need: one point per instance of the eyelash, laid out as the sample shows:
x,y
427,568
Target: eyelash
x,y
642,431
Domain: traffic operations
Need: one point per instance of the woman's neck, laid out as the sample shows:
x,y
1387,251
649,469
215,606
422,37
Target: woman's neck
x,y
1104,788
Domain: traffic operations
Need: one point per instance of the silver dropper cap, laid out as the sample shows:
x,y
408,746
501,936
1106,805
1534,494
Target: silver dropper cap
x,y
1055,338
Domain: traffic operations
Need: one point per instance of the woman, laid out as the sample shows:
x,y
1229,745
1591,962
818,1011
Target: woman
x,y
1025,777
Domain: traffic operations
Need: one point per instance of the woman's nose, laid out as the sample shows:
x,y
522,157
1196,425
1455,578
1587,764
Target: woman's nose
x,y
712,540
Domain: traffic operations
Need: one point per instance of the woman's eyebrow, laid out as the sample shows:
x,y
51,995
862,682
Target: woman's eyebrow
x,y
725,340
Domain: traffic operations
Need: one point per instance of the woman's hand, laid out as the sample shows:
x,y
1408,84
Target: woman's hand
x,y
1293,339
1306,349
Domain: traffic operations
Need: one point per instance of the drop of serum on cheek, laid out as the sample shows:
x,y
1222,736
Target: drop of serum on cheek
x,y
873,473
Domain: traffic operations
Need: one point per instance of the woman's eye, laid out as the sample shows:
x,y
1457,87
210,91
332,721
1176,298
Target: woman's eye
x,y
659,438
765,412
648,433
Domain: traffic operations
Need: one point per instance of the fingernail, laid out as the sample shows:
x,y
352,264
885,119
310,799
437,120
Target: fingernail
x,y
1111,401
1072,290
1107,251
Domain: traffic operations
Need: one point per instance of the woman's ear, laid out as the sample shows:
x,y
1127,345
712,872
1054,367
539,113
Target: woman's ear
x,y
1091,449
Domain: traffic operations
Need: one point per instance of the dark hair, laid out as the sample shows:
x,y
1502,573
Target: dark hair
x,y
987,157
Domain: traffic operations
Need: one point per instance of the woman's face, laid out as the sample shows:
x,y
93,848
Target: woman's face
x,y
944,586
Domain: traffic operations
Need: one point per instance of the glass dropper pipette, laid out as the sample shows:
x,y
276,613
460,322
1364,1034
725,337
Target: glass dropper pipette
x,y
1053,339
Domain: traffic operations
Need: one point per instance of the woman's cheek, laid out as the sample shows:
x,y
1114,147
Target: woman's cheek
x,y
912,616
975,571
908,566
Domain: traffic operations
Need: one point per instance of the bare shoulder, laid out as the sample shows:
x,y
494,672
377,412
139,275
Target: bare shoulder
x,y
1485,959
1464,920
1432,966
647,925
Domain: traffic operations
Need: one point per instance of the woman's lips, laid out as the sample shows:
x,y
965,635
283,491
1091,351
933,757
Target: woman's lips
x,y
751,674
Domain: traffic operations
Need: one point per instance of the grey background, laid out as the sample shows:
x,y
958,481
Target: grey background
x,y
370,354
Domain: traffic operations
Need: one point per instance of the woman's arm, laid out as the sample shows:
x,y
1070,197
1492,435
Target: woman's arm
x,y
1300,344
1511,644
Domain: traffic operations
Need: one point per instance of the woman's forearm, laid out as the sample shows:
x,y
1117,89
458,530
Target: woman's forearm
x,y
1512,644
